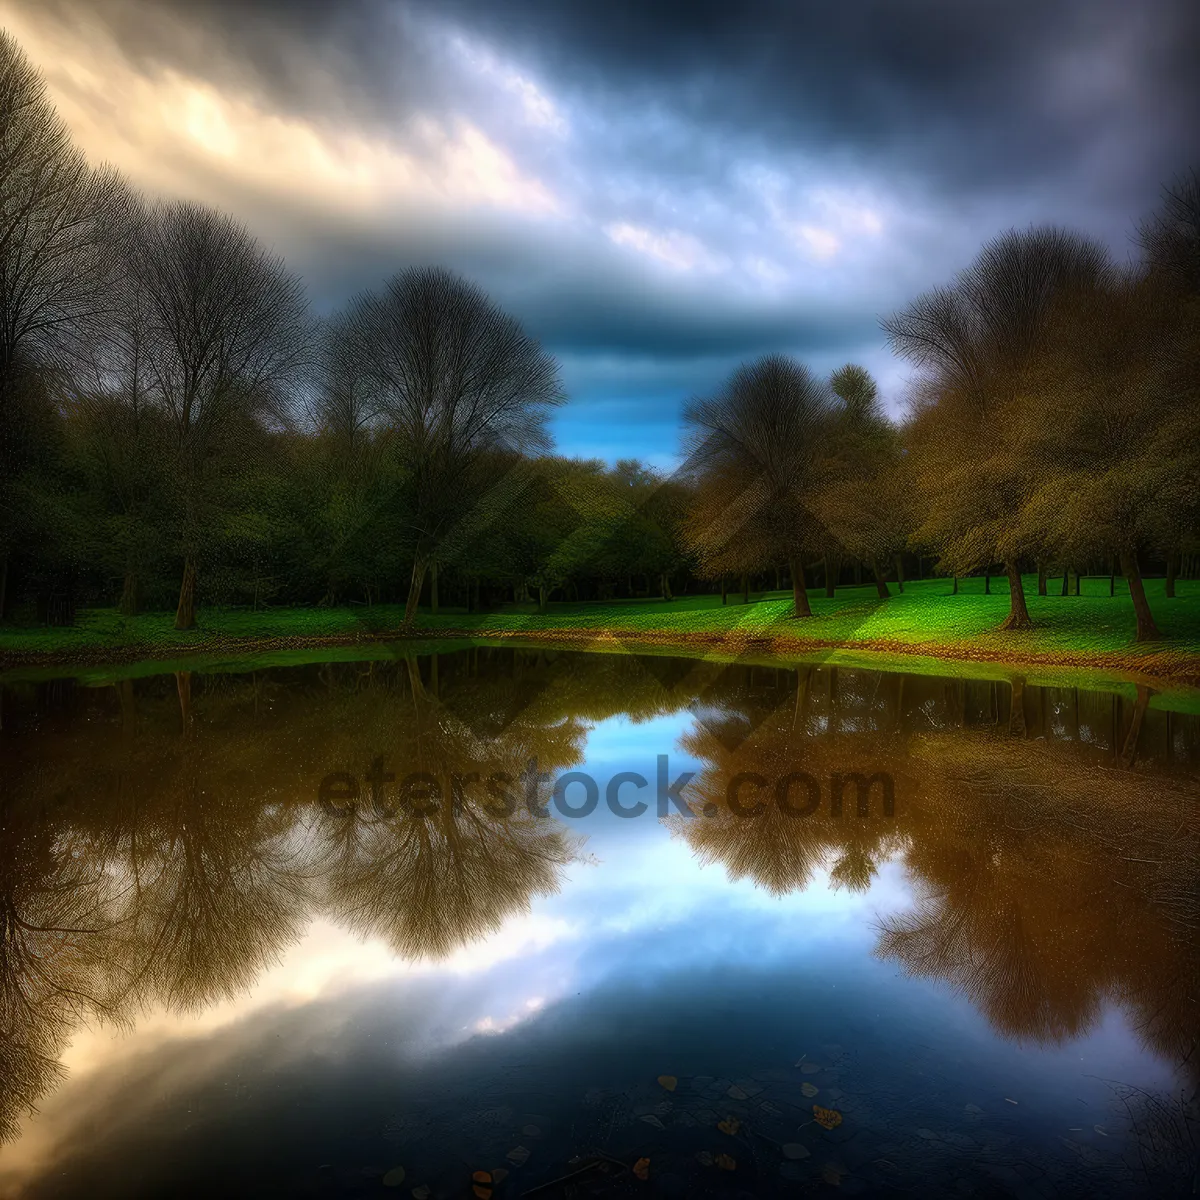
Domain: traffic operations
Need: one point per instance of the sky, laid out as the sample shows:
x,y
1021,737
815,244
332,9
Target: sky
x,y
657,191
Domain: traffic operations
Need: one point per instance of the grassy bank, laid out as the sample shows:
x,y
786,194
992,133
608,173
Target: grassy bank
x,y
1090,631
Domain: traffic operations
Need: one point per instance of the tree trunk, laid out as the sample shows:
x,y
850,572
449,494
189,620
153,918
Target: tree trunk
x,y
1016,707
1041,578
1147,631
1112,579
543,597
129,595
185,613
987,581
1066,583
857,574
183,686
128,708
832,569
881,586
900,573
746,588
724,590
420,563
800,604
433,587
1172,572
1129,748
1018,614
778,580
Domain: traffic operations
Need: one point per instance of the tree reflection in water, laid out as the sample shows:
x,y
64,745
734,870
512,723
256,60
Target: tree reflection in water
x,y
161,842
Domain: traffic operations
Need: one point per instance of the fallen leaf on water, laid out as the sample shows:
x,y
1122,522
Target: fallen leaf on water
x,y
730,1125
827,1118
517,1156
651,1119
1100,1131
794,1150
499,1175
421,1193
394,1178
669,1082
726,1163
834,1174
481,1184
973,1109
767,1107
809,1090
736,1093
1009,1101
704,1158
641,1168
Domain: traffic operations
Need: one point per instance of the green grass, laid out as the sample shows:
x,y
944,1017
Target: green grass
x,y
926,613
927,616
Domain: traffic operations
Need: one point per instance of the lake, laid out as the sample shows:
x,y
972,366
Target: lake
x,y
284,931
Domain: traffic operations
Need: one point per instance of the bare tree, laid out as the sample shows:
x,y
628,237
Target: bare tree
x,y
55,257
1170,238
453,378
227,340
977,341
756,453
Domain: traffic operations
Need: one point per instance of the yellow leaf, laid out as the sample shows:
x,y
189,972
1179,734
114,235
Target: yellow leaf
x,y
730,1125
833,1174
827,1118
641,1168
668,1081
726,1163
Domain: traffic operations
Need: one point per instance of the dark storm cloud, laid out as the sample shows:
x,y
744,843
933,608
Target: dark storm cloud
x,y
719,179
992,93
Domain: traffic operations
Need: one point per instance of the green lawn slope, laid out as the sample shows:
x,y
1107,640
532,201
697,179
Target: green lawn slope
x,y
1093,629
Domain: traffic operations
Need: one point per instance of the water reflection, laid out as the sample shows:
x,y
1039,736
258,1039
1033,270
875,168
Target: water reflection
x,y
162,842
1049,879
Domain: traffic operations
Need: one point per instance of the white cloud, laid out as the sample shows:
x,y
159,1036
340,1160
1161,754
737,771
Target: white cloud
x,y
537,108
679,250
180,135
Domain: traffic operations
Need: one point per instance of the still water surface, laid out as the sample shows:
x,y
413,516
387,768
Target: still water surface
x,y
216,980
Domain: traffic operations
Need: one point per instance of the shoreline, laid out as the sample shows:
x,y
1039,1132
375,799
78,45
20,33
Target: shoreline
x,y
1151,665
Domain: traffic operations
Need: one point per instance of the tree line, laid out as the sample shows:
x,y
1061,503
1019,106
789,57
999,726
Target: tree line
x,y
178,428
